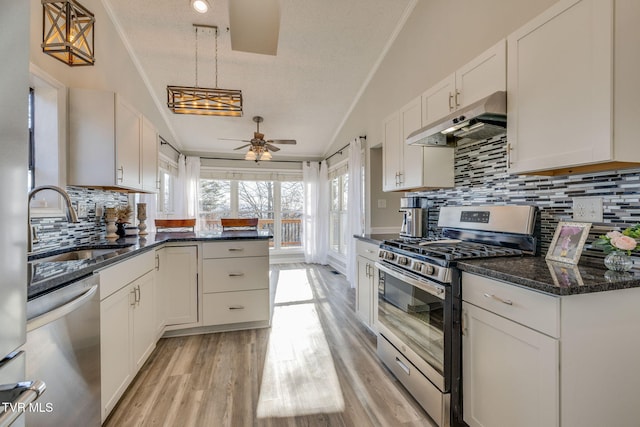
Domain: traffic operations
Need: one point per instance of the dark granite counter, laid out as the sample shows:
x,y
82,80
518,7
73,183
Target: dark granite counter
x,y
551,277
376,238
45,276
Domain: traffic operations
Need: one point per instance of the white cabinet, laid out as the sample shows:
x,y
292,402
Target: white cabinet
x,y
475,80
110,143
409,167
367,285
177,277
235,281
127,324
534,359
149,160
572,89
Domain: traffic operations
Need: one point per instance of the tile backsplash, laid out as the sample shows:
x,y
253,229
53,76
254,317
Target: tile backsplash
x,y
481,178
53,232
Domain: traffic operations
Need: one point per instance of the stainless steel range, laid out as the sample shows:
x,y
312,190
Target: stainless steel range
x,y
419,294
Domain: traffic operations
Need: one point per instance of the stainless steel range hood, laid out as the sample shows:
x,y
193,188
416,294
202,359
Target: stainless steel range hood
x,y
483,119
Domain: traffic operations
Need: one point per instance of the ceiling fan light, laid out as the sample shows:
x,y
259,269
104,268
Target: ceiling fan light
x,y
266,155
200,6
250,155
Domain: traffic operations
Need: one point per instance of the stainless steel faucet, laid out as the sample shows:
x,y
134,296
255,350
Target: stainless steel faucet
x,y
71,213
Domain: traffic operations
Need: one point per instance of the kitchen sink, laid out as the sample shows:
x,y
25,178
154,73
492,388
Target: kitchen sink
x,y
77,253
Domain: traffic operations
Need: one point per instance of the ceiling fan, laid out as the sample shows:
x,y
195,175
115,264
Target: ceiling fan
x,y
259,147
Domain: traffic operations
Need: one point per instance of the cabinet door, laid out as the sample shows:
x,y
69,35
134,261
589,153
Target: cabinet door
x,y
511,373
364,290
128,133
483,76
411,155
438,101
149,156
560,87
144,319
160,293
391,152
178,270
115,347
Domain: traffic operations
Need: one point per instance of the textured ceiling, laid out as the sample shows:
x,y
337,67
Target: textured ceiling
x,y
326,50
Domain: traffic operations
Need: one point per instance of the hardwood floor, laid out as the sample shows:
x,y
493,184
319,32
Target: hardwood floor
x,y
316,366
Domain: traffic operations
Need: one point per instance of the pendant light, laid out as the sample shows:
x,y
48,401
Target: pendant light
x,y
205,101
67,32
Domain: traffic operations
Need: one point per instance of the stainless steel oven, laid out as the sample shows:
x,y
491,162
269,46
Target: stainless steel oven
x,y
415,322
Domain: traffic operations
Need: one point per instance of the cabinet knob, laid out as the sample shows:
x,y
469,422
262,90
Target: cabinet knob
x,y
497,298
236,274
121,169
236,307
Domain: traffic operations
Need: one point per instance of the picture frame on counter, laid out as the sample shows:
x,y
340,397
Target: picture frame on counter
x,y
568,241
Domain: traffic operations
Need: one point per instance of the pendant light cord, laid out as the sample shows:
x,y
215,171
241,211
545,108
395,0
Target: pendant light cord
x,y
216,57
196,56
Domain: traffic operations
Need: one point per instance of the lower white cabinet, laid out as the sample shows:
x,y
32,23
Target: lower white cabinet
x,y
177,277
127,336
510,372
367,283
127,324
235,276
535,359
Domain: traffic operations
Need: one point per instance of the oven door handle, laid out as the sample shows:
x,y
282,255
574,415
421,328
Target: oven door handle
x,y
434,289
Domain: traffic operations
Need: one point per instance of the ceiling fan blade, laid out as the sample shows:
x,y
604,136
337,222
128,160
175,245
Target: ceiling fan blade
x,y
233,139
272,147
283,141
242,146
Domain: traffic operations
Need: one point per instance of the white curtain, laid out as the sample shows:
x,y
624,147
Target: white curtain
x,y
354,208
187,187
315,230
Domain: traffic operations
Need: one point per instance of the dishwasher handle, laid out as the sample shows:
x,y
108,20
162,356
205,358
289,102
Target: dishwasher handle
x,y
17,397
61,311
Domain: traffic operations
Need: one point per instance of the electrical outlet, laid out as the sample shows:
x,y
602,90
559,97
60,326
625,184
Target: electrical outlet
x,y
82,210
382,203
99,213
587,209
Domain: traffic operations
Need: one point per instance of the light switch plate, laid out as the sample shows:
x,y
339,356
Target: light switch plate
x,y
382,203
587,209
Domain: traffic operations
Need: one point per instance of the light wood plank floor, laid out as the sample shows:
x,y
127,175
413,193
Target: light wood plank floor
x,y
316,366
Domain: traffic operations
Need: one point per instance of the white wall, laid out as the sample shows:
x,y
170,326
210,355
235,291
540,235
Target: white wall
x,y
438,37
114,69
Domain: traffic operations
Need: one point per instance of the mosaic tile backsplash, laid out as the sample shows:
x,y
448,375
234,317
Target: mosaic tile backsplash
x,y
56,231
481,178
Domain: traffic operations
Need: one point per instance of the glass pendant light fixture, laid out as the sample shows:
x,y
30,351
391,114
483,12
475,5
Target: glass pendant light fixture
x,y
205,101
67,32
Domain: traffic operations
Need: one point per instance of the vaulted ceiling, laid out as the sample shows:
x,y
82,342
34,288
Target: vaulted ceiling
x,y
326,51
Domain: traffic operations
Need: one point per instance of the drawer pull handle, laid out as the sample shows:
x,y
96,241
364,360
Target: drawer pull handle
x,y
236,274
236,249
403,366
504,301
236,307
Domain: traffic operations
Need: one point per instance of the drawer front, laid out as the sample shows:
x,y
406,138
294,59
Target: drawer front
x,y
235,274
367,250
235,248
529,308
235,307
118,275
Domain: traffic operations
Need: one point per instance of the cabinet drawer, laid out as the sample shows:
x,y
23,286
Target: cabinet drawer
x,y
235,248
235,274
118,275
235,307
533,309
367,250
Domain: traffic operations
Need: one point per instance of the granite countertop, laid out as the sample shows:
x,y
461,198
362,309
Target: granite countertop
x,y
376,238
46,276
549,276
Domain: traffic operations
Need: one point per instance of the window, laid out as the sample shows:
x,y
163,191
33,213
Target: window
x,y
339,185
168,171
276,203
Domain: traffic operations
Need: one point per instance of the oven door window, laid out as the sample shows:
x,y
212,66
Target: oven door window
x,y
415,317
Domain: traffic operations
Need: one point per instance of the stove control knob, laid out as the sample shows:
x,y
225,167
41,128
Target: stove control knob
x,y
390,256
417,266
403,260
428,269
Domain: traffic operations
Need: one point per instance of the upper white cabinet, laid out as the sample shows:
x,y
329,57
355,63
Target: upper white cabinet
x,y
110,143
477,79
411,167
572,89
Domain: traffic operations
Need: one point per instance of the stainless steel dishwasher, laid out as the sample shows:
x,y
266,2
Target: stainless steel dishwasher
x,y
63,349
